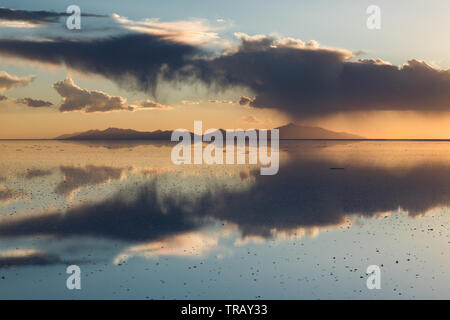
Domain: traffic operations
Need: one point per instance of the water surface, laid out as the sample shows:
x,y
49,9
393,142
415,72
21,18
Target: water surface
x,y
141,227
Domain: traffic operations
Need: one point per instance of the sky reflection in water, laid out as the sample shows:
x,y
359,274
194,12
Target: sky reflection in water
x,y
141,227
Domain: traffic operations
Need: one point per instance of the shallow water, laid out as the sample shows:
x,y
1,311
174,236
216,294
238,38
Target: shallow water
x,y
141,227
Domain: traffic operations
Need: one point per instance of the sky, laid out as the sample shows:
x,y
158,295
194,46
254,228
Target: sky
x,y
149,65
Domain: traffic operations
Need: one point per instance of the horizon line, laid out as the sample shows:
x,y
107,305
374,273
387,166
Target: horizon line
x,y
301,139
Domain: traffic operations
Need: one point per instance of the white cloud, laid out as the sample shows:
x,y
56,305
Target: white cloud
x,y
79,99
190,244
150,105
75,98
195,32
8,81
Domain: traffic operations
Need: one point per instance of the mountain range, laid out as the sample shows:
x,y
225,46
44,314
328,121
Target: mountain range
x,y
289,131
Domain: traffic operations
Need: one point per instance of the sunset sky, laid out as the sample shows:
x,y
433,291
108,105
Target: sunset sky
x,y
149,65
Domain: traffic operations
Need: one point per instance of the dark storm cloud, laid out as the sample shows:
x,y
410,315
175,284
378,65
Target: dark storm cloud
x,y
309,80
34,103
294,77
134,220
308,194
139,58
305,194
35,17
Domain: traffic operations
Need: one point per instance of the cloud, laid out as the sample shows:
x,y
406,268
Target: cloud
x,y
34,103
21,257
36,173
30,17
301,79
77,177
132,220
245,101
132,60
304,79
190,102
29,257
194,243
221,101
211,101
8,81
24,18
7,194
194,32
150,105
78,99
305,195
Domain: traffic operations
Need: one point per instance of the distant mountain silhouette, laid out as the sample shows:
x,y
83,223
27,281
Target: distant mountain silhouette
x,y
117,134
289,131
293,131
